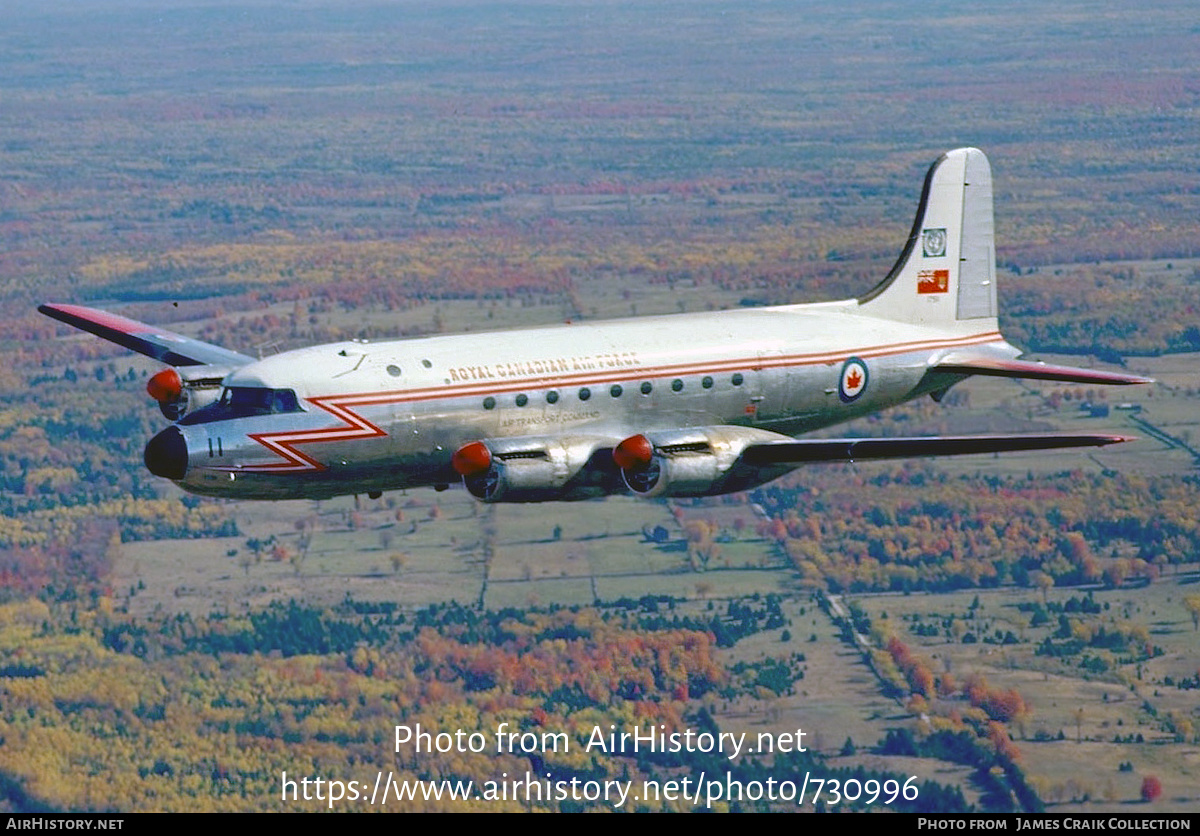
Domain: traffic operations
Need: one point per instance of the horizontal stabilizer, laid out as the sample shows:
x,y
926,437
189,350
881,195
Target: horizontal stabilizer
x,y
997,367
862,449
164,346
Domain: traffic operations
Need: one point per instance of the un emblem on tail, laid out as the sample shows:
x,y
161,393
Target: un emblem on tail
x,y
933,243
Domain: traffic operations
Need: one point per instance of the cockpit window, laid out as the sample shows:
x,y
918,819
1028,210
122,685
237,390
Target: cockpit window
x,y
244,402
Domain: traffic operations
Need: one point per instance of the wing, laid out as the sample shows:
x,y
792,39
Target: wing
x,y
159,343
706,461
999,367
861,449
697,461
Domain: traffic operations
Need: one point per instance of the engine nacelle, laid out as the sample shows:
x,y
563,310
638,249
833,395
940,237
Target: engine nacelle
x,y
188,401
177,397
693,462
537,469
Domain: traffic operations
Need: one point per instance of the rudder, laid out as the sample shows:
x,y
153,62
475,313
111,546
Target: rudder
x,y
947,271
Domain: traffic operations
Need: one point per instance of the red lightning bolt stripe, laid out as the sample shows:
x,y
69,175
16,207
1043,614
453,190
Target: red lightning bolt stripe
x,y
284,443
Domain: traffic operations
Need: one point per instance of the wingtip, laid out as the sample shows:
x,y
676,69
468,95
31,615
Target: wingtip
x,y
58,312
1135,380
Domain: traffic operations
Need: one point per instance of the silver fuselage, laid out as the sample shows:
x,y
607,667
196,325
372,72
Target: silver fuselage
x,y
389,415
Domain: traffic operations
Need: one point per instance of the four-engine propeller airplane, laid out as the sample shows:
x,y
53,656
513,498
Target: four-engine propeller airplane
x,y
682,405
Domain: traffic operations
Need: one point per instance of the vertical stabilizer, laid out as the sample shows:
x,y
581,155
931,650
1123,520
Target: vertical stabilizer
x,y
947,271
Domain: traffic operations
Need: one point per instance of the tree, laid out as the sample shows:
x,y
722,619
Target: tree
x,y
1042,581
1192,602
1151,789
957,630
1116,573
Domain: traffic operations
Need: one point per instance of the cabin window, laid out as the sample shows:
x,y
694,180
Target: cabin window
x,y
552,396
647,388
522,400
676,385
616,391
707,382
394,371
427,364
737,379
489,402
585,393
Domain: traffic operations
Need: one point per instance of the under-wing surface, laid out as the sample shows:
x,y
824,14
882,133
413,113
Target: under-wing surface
x,y
684,405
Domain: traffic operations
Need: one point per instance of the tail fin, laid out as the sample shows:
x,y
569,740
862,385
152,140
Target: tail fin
x,y
947,271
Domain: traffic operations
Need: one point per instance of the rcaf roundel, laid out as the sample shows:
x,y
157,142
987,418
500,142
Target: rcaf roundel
x,y
853,381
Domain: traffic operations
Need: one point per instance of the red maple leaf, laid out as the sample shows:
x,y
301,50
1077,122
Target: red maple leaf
x,y
853,379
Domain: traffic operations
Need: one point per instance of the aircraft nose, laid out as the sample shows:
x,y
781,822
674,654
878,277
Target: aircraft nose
x,y
167,454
